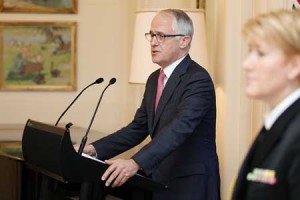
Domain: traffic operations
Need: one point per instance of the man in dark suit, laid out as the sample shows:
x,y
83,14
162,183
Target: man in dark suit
x,y
181,122
271,170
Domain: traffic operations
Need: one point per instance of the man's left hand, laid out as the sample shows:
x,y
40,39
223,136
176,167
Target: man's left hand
x,y
119,171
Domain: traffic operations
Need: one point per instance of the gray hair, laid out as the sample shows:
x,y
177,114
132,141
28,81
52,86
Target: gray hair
x,y
182,23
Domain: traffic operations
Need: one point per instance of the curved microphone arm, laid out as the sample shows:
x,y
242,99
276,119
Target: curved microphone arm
x,y
84,139
99,80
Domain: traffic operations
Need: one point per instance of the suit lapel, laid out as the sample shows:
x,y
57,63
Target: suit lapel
x,y
276,132
172,83
152,95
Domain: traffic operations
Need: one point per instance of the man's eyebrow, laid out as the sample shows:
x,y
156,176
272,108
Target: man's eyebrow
x,y
156,32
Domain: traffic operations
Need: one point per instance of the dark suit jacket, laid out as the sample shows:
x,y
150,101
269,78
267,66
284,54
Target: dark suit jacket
x,y
182,152
276,152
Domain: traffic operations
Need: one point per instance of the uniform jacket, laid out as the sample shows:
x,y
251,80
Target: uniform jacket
x,y
275,172
182,152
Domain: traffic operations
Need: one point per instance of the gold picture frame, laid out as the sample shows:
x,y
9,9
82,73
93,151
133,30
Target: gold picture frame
x,y
39,6
38,55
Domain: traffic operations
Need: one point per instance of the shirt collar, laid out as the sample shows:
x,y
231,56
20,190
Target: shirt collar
x,y
169,69
272,116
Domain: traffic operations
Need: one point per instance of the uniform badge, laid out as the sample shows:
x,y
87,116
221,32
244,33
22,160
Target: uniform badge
x,y
260,175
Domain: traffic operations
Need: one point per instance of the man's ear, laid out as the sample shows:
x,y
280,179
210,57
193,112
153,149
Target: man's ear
x,y
294,72
185,41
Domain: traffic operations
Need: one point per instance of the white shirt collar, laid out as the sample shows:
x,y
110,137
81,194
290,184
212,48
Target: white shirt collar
x,y
272,116
169,69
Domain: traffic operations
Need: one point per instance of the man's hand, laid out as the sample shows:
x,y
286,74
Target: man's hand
x,y
88,149
119,171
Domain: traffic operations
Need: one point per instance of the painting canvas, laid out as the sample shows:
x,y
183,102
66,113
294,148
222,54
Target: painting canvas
x,y
39,6
37,55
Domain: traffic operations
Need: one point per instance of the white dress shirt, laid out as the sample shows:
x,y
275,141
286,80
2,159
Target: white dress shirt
x,y
169,69
273,115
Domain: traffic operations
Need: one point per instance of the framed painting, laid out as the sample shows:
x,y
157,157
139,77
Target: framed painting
x,y
39,6
37,55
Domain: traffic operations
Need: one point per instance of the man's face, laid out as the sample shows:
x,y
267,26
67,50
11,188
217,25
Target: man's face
x,y
167,51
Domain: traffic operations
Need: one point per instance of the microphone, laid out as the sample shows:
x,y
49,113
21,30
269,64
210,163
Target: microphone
x,y
84,139
99,80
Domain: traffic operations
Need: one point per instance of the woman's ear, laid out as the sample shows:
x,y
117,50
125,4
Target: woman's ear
x,y
294,72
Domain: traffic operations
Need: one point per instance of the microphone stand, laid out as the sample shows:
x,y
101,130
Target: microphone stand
x,y
84,139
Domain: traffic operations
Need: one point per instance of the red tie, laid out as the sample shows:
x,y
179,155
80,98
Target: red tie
x,y
160,87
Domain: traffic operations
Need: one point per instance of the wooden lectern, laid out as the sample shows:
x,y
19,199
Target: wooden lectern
x,y
48,150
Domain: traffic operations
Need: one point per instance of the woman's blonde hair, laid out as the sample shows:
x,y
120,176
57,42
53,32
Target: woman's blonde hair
x,y
281,28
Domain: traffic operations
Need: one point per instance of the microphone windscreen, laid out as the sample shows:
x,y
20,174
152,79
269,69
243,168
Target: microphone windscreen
x,y
99,80
112,81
